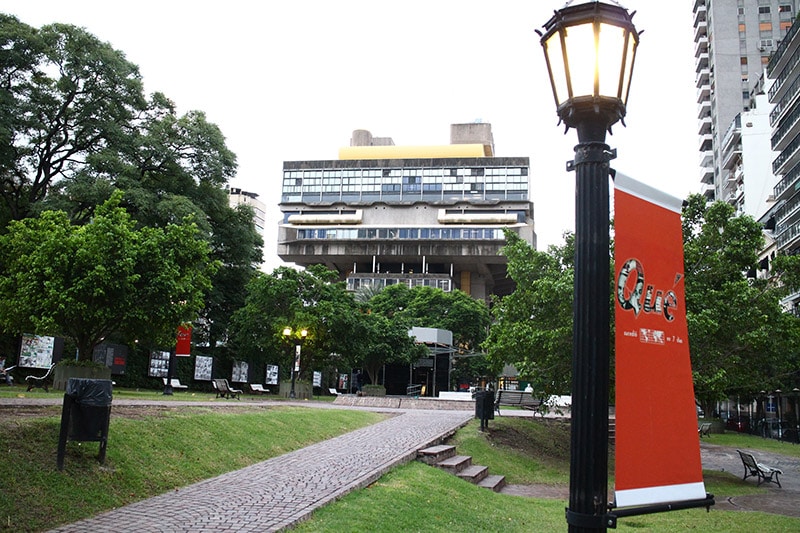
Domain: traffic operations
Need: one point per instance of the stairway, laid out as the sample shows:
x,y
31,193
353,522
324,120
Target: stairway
x,y
444,456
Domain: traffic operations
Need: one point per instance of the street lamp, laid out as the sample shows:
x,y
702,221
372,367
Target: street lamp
x,y
589,49
287,332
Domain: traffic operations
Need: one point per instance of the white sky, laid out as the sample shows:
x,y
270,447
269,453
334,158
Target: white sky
x,y
291,80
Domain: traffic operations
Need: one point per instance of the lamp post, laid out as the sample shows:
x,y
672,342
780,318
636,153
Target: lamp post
x,y
287,332
589,49
796,395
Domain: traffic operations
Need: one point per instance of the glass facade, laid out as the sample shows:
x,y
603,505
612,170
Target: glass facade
x,y
407,180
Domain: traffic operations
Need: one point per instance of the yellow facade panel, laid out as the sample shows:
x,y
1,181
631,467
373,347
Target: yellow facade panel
x,y
415,152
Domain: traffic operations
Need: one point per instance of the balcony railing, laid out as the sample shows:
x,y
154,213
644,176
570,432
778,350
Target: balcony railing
x,y
786,100
789,180
785,73
789,122
786,154
778,55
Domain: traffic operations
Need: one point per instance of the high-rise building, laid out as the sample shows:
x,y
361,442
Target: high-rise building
x,y
784,94
734,40
239,197
421,215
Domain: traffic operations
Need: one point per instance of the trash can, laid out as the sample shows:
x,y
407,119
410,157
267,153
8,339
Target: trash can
x,y
85,415
484,407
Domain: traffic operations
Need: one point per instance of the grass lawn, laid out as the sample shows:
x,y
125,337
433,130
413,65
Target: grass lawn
x,y
416,497
150,451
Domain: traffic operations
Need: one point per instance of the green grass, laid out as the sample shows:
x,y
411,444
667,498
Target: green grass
x,y
420,498
526,453
18,391
753,442
416,497
147,455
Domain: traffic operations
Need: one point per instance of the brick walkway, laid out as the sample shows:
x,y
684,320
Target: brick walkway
x,y
282,491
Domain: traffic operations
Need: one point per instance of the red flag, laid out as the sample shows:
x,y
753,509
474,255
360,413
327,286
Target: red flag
x,y
657,443
183,347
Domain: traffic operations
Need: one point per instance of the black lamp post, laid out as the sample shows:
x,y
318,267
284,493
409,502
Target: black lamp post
x,y
287,332
589,49
796,395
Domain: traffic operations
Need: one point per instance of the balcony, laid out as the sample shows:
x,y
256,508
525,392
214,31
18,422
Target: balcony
x,y
785,102
780,58
702,62
704,109
787,185
777,90
701,46
788,158
705,126
704,94
788,129
708,191
705,142
700,31
703,77
707,175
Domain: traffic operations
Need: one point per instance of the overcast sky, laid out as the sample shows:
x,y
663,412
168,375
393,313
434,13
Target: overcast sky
x,y
291,80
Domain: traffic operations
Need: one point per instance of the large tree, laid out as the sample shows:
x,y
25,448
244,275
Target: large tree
x,y
75,126
88,282
64,96
741,340
533,325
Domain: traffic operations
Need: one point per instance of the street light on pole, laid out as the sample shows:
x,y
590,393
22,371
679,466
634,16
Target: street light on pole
x,y
590,49
287,332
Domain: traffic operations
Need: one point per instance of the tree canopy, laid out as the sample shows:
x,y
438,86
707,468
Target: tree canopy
x,y
533,325
87,282
741,339
75,126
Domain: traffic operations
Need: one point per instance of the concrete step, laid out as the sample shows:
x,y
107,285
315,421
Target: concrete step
x,y
474,473
455,464
493,482
435,454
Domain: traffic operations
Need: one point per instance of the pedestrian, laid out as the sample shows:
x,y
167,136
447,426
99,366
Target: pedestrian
x,y
4,372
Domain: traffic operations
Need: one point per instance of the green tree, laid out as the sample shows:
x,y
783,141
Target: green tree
x,y
533,325
64,96
740,339
88,282
75,126
469,319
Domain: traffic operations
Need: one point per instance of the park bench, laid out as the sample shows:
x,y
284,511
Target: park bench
x,y
333,391
224,389
704,430
258,388
516,398
39,382
175,382
764,473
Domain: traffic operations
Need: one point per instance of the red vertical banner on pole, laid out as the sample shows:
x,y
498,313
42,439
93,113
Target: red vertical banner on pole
x,y
183,347
656,440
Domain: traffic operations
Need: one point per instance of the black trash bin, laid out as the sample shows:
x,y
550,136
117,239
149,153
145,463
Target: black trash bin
x,y
85,415
484,407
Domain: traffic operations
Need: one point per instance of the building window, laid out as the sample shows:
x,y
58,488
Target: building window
x,y
764,26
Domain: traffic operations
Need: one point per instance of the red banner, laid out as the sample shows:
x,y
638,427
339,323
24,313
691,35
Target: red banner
x,y
183,348
657,443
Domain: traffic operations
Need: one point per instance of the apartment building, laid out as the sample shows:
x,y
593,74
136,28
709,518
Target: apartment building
x,y
734,41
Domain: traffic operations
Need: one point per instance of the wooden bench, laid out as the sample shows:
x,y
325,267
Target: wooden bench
x,y
516,398
764,473
224,389
258,388
175,382
39,382
704,430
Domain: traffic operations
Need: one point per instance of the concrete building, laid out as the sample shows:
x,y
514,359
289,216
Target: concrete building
x,y
422,215
240,197
784,94
734,40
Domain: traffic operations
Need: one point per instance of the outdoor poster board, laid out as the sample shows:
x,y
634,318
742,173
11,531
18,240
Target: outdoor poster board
x,y
239,374
39,351
114,356
271,375
159,364
317,378
202,368
657,447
